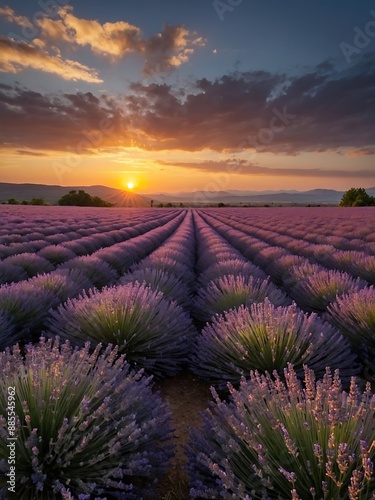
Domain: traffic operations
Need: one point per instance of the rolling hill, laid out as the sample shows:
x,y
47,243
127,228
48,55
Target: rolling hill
x,y
51,194
122,198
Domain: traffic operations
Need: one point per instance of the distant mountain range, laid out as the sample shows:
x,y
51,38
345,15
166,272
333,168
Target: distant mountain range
x,y
314,196
122,198
52,194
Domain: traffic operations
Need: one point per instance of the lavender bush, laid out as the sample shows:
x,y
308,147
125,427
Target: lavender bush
x,y
280,440
231,291
316,291
235,267
56,254
155,334
98,272
120,256
354,315
86,426
267,338
26,305
158,280
32,264
10,273
181,271
7,330
279,268
63,283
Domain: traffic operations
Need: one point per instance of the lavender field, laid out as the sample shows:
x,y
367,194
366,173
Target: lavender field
x,y
273,307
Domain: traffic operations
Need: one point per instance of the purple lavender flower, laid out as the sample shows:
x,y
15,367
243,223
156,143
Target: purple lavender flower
x,y
266,338
26,306
277,439
63,283
85,423
159,280
231,291
155,334
97,271
235,267
315,291
171,266
9,273
56,254
33,264
354,315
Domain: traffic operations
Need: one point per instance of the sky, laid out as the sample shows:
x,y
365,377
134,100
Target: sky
x,y
184,95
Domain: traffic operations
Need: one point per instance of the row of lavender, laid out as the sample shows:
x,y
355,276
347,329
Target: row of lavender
x,y
278,438
344,296
39,245
25,306
88,418
158,334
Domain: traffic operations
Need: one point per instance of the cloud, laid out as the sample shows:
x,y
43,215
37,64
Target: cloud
x,y
321,110
361,152
243,167
168,49
77,123
16,56
9,14
24,152
108,39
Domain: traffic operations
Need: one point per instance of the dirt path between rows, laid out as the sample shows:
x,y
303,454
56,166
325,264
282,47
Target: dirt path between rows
x,y
187,395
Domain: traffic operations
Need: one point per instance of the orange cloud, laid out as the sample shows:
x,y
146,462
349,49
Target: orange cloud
x,y
15,56
109,39
12,17
170,48
360,152
244,167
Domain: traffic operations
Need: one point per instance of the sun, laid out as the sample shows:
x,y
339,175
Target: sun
x,y
130,185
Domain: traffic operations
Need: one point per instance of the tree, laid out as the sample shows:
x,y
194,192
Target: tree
x,y
357,197
82,199
38,201
13,201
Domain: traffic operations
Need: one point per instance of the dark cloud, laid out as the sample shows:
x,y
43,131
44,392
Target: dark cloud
x,y
24,152
80,122
321,110
243,167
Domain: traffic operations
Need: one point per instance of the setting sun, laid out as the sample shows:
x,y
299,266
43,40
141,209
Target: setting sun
x,y
130,185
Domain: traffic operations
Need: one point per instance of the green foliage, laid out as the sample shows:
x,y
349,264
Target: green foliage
x,y
277,438
34,201
86,426
38,201
82,199
357,197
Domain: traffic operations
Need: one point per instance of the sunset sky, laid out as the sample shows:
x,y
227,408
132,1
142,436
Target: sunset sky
x,y
181,95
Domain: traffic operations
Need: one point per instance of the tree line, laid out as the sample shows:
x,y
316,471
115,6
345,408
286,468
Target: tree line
x,y
354,197
73,198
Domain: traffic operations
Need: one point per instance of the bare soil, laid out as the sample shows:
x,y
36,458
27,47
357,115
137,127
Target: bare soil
x,y
187,395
